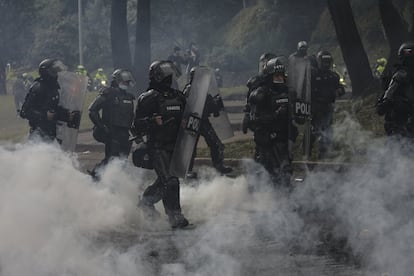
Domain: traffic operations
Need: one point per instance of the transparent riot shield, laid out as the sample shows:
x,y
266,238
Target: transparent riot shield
x,y
221,123
190,124
72,91
299,82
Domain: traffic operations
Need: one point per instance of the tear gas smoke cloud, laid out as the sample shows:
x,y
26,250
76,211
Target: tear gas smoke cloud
x,y
56,221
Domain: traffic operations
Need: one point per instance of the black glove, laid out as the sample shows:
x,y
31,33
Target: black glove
x,y
383,106
246,122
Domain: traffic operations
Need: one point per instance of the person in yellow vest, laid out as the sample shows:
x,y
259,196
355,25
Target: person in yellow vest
x,y
81,70
100,80
380,67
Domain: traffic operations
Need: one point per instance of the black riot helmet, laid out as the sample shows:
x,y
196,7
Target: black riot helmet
x,y
264,58
302,48
163,72
274,66
325,60
123,79
406,53
49,68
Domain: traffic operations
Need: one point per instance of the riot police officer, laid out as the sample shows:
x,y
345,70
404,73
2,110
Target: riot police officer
x,y
41,106
158,116
326,86
397,103
270,119
252,84
301,49
212,107
117,107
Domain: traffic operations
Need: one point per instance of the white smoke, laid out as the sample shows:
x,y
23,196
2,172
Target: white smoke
x,y
54,220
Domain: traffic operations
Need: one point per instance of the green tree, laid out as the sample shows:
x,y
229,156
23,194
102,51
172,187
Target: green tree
x,y
16,32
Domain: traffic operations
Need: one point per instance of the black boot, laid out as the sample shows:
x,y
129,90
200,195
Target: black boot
x,y
223,169
191,175
177,220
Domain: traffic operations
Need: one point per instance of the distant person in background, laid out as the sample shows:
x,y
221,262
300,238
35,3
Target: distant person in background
x,y
380,67
192,58
81,70
41,106
19,93
326,86
177,58
397,102
219,78
100,80
302,49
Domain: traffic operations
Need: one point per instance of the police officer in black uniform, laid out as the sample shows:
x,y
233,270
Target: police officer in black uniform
x,y
397,103
41,106
325,87
117,107
252,84
158,116
270,119
212,107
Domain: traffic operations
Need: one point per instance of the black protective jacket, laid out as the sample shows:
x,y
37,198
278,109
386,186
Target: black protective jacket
x,y
43,96
167,103
270,112
397,103
117,109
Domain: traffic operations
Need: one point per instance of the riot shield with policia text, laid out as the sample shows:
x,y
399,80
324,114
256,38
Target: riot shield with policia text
x,y
190,125
72,91
299,82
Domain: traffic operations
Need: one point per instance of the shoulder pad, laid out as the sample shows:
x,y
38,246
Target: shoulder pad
x,y
35,86
401,76
254,82
106,91
148,95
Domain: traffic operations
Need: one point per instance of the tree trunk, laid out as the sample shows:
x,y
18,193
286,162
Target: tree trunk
x,y
395,29
142,57
353,52
121,54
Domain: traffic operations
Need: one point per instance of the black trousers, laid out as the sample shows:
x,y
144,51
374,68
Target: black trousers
x,y
166,187
118,145
274,155
213,142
